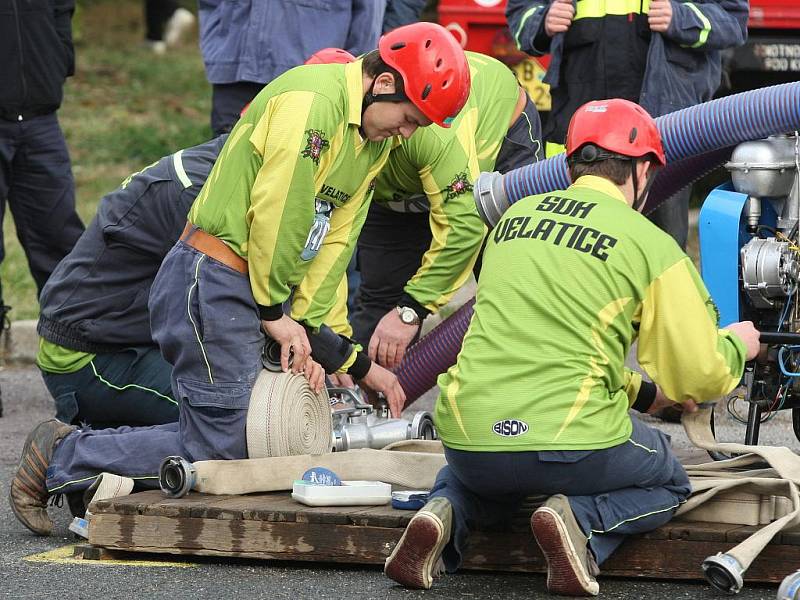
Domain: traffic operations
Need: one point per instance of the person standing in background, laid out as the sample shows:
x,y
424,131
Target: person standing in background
x,y
248,43
165,24
35,170
663,54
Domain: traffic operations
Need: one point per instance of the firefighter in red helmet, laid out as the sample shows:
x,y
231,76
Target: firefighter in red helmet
x,y
538,402
283,205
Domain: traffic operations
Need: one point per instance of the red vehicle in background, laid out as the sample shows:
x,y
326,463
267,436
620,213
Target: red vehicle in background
x,y
771,54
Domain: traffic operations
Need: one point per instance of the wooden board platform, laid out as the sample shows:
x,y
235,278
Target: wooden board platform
x,y
275,527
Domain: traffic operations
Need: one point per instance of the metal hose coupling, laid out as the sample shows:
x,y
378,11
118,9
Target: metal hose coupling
x,y
490,197
176,476
359,425
790,587
724,573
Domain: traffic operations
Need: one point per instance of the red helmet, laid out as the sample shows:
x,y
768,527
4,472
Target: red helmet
x,y
328,56
618,126
433,66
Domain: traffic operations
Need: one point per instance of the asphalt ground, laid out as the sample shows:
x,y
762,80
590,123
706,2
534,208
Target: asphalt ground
x,y
28,571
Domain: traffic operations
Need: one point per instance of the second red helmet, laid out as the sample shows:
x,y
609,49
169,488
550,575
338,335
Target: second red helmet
x,y
433,66
616,125
329,56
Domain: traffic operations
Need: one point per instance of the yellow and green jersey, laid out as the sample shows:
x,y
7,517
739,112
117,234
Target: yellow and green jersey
x,y
570,279
440,166
288,191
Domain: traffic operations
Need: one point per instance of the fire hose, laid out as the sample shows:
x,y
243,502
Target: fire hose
x,y
745,477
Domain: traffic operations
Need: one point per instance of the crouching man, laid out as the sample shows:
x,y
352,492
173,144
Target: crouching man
x,y
283,204
538,400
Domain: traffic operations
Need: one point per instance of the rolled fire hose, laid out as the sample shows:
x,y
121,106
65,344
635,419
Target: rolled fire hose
x,y
712,481
286,418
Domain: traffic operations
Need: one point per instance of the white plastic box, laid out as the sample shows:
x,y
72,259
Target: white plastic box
x,y
350,493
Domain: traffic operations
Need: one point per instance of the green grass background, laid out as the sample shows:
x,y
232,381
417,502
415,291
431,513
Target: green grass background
x,y
124,108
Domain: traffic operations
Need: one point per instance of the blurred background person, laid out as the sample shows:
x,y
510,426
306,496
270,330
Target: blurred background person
x,y
247,43
165,24
35,171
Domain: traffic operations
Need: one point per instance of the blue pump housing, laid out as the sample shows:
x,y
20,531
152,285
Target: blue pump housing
x,y
723,231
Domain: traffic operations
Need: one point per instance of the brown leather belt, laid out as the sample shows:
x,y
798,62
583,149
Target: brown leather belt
x,y
214,247
522,101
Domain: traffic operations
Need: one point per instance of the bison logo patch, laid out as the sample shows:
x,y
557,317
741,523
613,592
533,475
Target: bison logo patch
x,y
510,427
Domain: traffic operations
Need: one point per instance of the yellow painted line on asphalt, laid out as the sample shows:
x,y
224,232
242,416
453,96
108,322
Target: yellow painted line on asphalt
x,y
65,555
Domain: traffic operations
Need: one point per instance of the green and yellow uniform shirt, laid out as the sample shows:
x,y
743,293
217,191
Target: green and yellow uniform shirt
x,y
288,191
442,164
569,280
58,359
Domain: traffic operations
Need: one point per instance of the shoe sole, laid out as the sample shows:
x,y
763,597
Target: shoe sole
x,y
412,561
565,573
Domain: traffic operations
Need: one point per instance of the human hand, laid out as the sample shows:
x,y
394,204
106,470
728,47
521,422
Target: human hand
x,y
559,17
293,340
381,380
662,401
314,374
660,15
749,335
390,340
342,380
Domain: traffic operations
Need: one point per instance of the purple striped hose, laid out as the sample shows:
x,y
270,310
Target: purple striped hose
x,y
433,354
685,133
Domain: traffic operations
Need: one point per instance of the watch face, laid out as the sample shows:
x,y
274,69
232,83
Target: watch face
x,y
407,316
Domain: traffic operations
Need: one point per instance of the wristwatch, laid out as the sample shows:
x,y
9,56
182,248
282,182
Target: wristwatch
x,y
408,315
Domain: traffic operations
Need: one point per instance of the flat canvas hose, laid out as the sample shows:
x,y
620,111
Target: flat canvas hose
x,y
410,469
710,480
287,418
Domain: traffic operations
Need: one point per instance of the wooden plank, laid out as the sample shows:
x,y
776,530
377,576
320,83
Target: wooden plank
x,y
243,538
698,532
637,557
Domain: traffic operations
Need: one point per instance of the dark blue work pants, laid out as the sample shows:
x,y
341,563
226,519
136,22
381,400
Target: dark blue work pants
x,y
36,180
205,321
630,488
129,387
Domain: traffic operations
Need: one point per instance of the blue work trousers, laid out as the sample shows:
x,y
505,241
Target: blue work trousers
x,y
205,321
130,387
36,180
630,488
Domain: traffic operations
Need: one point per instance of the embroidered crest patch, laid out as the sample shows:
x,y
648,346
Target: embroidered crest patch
x,y
315,144
459,185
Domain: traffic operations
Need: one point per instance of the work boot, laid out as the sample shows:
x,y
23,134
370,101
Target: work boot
x,y
416,559
571,568
28,494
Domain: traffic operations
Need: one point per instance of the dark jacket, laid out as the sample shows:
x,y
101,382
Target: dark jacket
x,y
401,12
37,56
96,299
683,65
